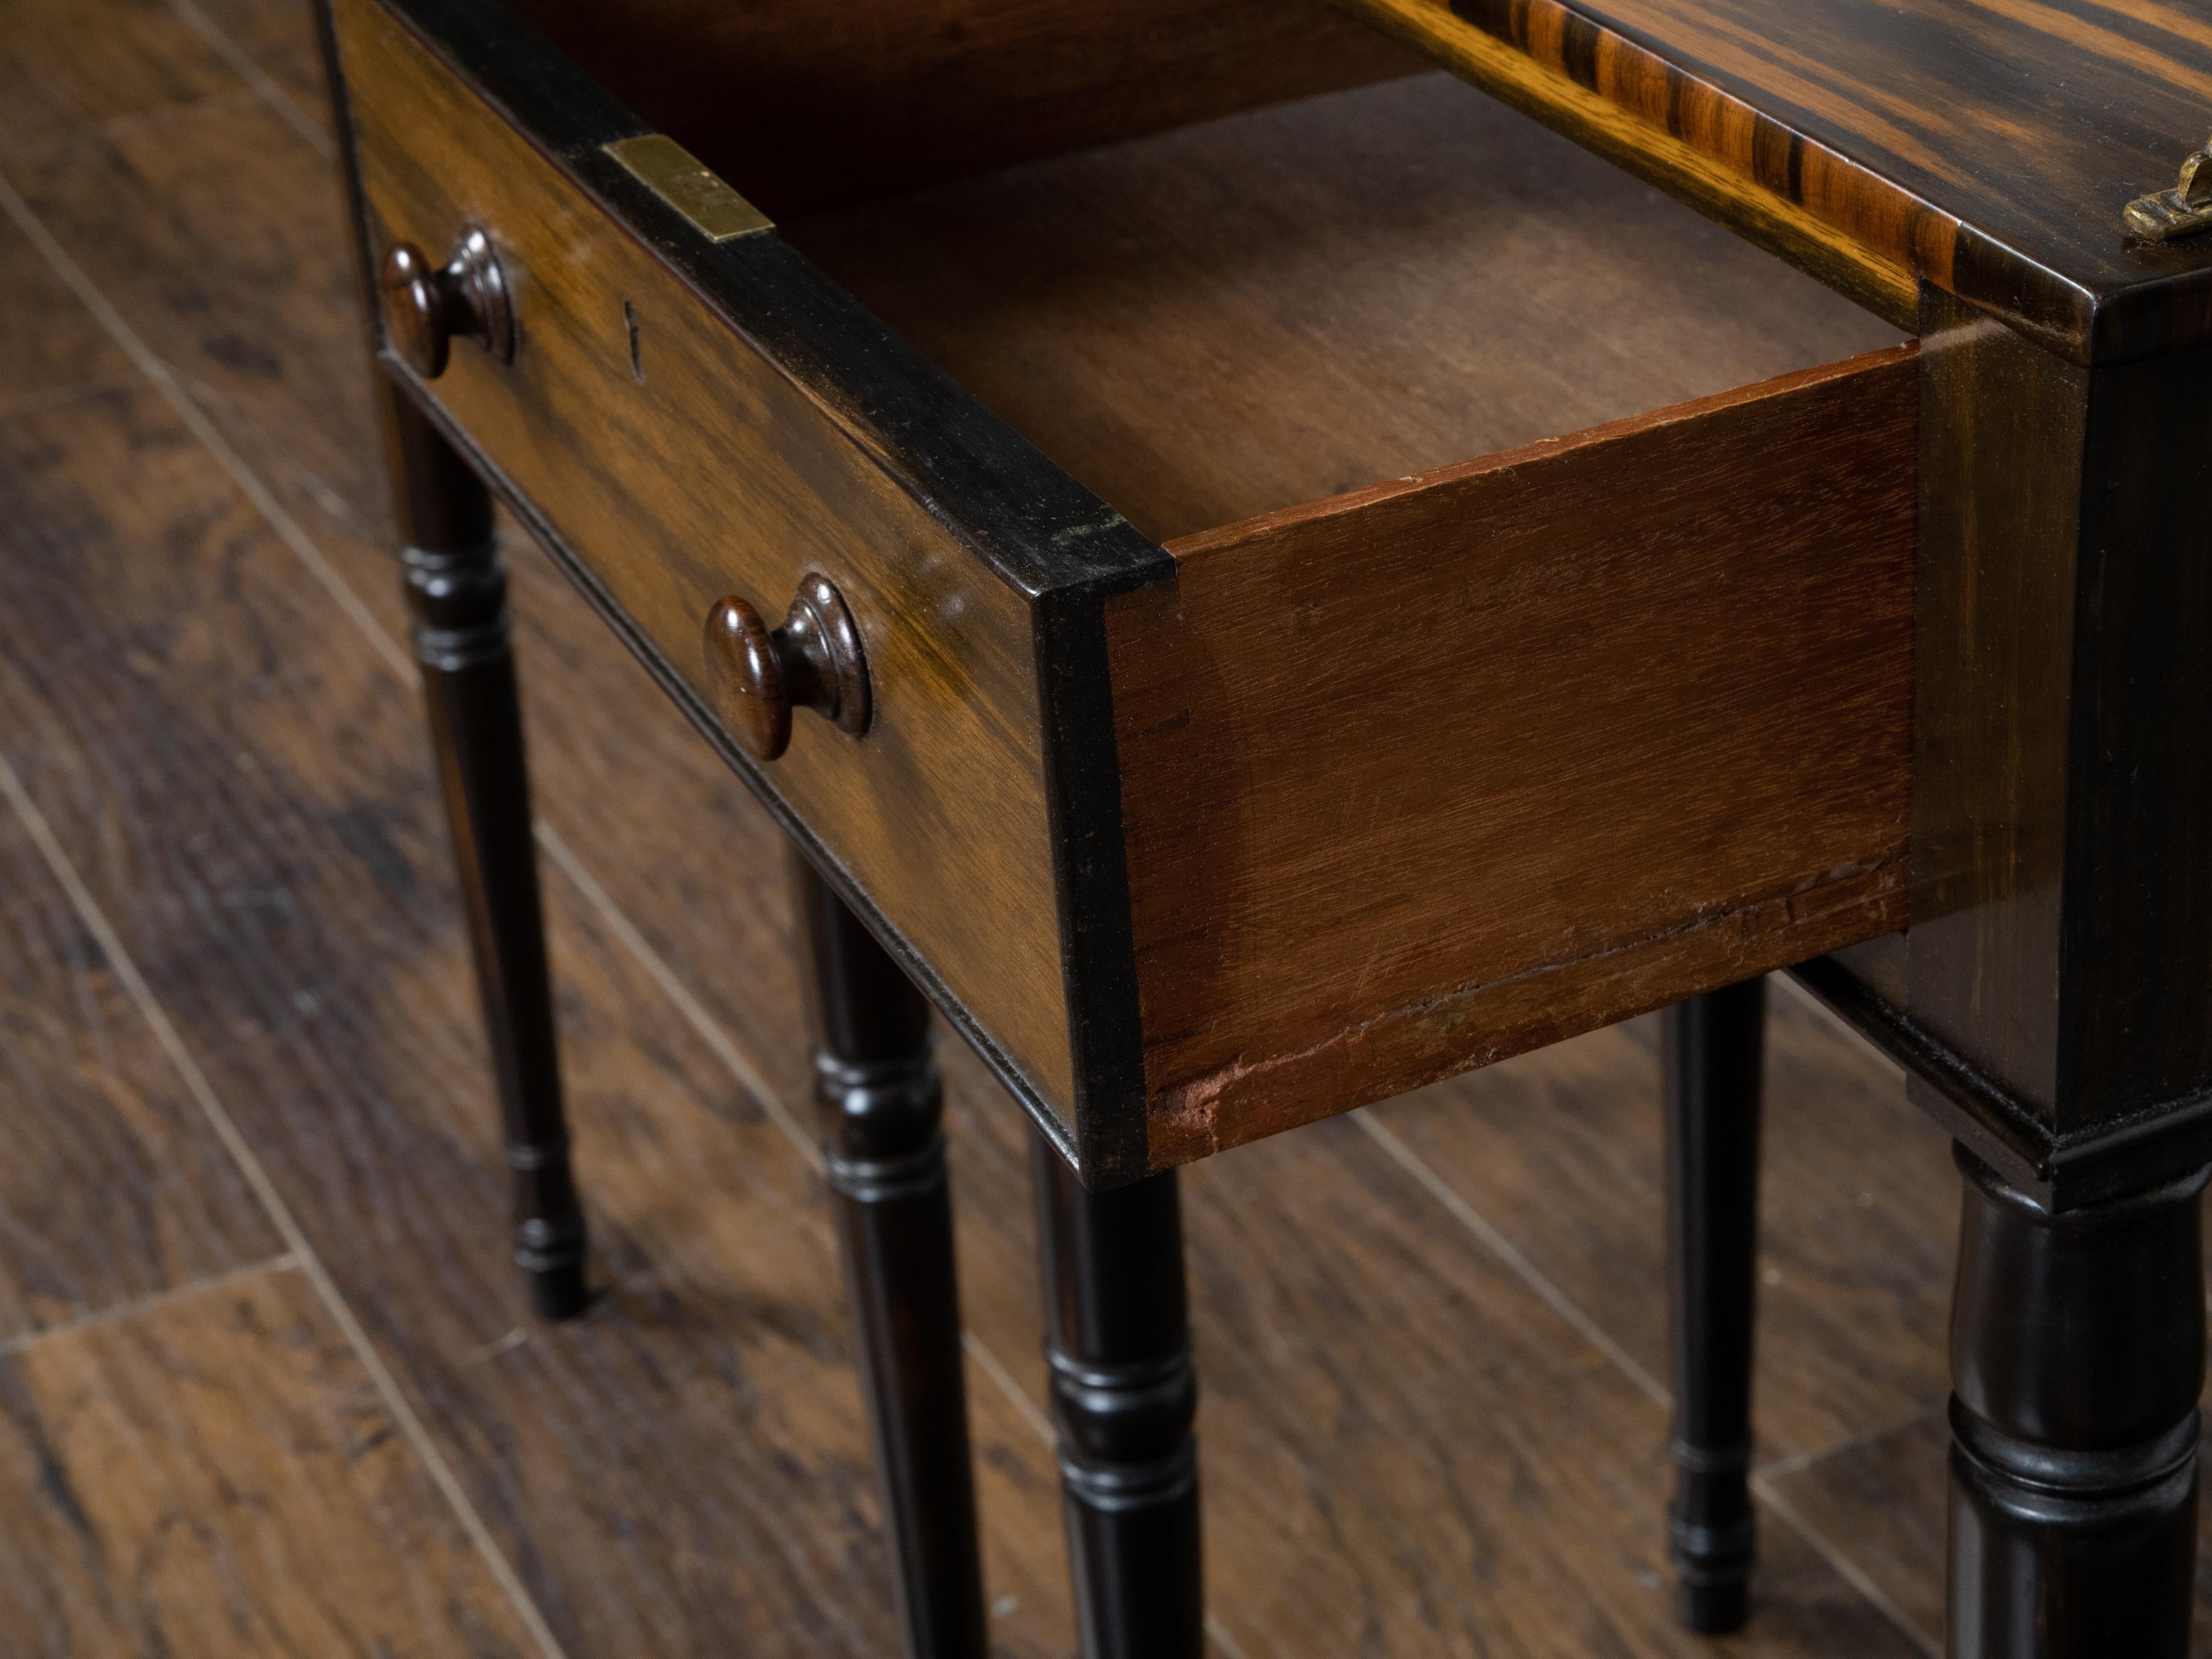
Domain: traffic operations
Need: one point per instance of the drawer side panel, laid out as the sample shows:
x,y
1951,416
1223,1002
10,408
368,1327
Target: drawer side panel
x,y
676,462
1424,775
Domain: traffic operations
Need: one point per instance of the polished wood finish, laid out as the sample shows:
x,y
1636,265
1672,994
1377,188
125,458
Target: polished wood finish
x,y
880,1101
1465,763
1124,1397
457,594
1988,152
799,108
2077,1358
2048,1004
1712,1048
831,450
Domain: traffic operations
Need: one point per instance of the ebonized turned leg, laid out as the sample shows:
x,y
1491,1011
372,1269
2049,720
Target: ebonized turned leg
x,y
880,1102
1712,1049
1125,1395
2077,1357
457,592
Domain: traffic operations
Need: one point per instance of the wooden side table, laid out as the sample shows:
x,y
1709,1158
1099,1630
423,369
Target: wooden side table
x,y
1270,789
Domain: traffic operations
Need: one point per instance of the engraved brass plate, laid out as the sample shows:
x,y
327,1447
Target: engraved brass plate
x,y
689,185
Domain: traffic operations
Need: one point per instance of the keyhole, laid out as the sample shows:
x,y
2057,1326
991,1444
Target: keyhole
x,y
636,362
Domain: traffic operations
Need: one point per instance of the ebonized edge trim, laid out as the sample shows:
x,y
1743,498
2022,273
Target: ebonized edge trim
x,y
2060,1172
1091,882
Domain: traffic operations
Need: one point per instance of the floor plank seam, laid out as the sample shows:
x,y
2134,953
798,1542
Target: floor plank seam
x,y
196,421
1505,1250
234,57
122,1311
695,1013
1781,1468
1844,1567
126,969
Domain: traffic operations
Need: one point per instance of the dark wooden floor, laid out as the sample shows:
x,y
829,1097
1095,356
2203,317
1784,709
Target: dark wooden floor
x,y
266,1385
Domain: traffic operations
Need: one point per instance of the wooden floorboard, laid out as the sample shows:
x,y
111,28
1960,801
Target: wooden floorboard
x,y
62,64
113,1188
217,1475
50,346
1410,1450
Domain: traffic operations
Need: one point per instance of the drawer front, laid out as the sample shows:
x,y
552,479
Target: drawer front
x,y
1423,776
674,452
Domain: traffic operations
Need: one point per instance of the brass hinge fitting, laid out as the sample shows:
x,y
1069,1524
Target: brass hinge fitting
x,y
2182,211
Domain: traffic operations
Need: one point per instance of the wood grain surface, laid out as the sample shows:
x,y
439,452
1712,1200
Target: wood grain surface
x,y
56,73
706,471
1987,148
1213,324
114,1188
217,1475
1457,766
801,108
49,347
1367,1528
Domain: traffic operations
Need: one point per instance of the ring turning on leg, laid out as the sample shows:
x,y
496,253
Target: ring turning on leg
x,y
1125,1395
879,1103
2077,1358
457,594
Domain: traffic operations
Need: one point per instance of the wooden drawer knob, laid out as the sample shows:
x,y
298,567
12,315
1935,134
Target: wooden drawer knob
x,y
758,676
424,307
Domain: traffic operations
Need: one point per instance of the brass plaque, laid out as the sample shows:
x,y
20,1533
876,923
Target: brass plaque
x,y
688,185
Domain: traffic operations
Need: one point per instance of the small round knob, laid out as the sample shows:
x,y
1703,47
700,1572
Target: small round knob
x,y
424,307
757,675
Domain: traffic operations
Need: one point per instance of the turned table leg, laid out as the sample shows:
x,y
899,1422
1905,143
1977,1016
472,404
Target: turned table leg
x,y
1124,1397
457,593
880,1102
1712,1049
2077,1356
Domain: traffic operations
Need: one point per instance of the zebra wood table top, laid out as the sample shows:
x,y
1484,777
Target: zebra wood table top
x,y
1989,148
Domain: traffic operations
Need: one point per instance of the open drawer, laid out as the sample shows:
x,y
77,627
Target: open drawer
x,y
1209,784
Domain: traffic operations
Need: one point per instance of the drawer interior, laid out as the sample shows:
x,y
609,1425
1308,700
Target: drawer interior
x,y
1268,308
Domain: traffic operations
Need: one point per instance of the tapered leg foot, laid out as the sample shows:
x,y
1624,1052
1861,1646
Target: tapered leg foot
x,y
2077,1358
457,593
880,1102
1715,1609
557,1287
1713,1046
1125,1396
